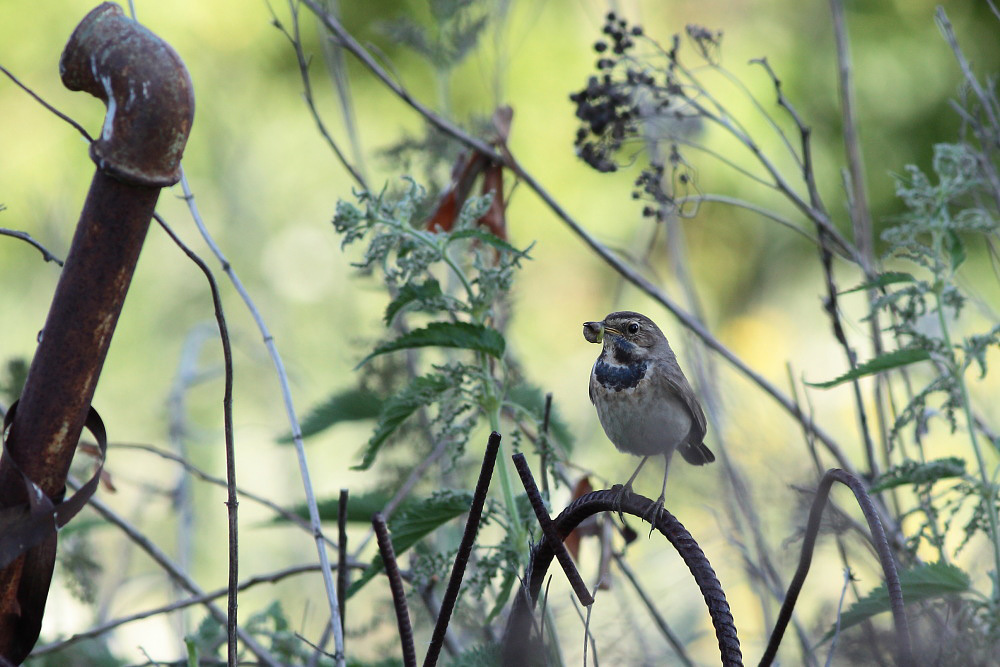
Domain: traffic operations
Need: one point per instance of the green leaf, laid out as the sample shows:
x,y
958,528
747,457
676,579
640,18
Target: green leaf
x,y
488,238
349,405
360,507
956,249
506,587
421,391
410,293
414,522
883,362
923,582
913,472
883,279
446,334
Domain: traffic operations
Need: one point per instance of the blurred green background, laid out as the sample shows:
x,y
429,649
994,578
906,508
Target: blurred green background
x,y
267,185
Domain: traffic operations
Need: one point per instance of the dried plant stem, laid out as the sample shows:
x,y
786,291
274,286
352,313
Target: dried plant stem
x,y
286,394
295,37
178,575
104,628
232,503
661,623
37,98
27,238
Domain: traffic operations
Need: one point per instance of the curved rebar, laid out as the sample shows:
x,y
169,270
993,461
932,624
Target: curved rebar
x,y
516,650
904,652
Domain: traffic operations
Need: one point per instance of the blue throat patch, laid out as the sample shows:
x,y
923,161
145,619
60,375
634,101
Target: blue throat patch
x,y
618,378
623,351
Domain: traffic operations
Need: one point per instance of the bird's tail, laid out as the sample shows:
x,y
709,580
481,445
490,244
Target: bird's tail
x,y
696,455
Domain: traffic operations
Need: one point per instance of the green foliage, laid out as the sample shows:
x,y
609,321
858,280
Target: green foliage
x,y
884,362
411,524
360,507
920,583
464,335
350,405
449,38
420,392
482,655
528,399
915,472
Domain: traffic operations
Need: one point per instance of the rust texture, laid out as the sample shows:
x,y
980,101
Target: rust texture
x,y
146,88
150,109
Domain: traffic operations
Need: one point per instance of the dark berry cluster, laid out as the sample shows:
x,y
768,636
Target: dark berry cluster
x,y
634,85
607,106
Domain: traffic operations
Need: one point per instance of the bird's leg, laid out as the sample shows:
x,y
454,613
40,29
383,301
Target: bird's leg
x,y
653,513
627,489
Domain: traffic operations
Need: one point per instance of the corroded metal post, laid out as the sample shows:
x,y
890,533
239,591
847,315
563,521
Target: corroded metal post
x,y
150,109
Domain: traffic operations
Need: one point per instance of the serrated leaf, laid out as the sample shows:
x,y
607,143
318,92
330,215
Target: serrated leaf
x,y
913,472
923,582
421,391
488,238
883,279
408,526
446,334
410,293
349,405
883,362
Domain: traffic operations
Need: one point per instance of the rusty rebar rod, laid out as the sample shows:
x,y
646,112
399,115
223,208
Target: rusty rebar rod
x,y
464,551
150,110
518,650
549,530
384,540
904,649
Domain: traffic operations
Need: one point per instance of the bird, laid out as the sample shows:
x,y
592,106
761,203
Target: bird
x,y
645,404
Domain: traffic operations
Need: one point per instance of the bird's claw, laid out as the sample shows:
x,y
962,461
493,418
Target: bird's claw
x,y
652,514
620,491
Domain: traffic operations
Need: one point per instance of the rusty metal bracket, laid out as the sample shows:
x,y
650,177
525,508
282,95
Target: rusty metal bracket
x,y
150,108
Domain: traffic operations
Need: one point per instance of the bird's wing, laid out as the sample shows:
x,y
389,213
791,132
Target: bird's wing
x,y
699,425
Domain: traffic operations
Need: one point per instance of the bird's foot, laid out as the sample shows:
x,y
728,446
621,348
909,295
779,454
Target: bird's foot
x,y
652,515
621,492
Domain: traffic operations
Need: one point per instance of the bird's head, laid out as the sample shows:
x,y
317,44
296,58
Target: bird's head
x,y
629,335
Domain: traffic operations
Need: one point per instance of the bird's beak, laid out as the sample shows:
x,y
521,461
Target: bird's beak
x,y
593,331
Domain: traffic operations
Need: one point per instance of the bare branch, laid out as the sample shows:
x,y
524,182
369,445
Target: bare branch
x,y
60,114
286,393
27,238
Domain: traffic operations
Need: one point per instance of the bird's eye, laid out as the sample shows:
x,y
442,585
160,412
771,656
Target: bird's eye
x,y
633,328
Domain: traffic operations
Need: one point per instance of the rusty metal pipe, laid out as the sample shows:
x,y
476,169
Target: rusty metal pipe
x,y
150,109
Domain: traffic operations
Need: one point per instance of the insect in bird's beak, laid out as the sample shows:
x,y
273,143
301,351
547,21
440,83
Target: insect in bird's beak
x,y
593,331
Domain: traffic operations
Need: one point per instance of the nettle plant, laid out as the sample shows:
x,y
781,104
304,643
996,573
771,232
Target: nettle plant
x,y
946,214
445,379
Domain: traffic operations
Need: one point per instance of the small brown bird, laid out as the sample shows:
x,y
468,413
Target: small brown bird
x,y
643,400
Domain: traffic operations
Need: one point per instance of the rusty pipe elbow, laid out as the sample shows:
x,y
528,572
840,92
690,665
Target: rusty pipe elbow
x,y
146,88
